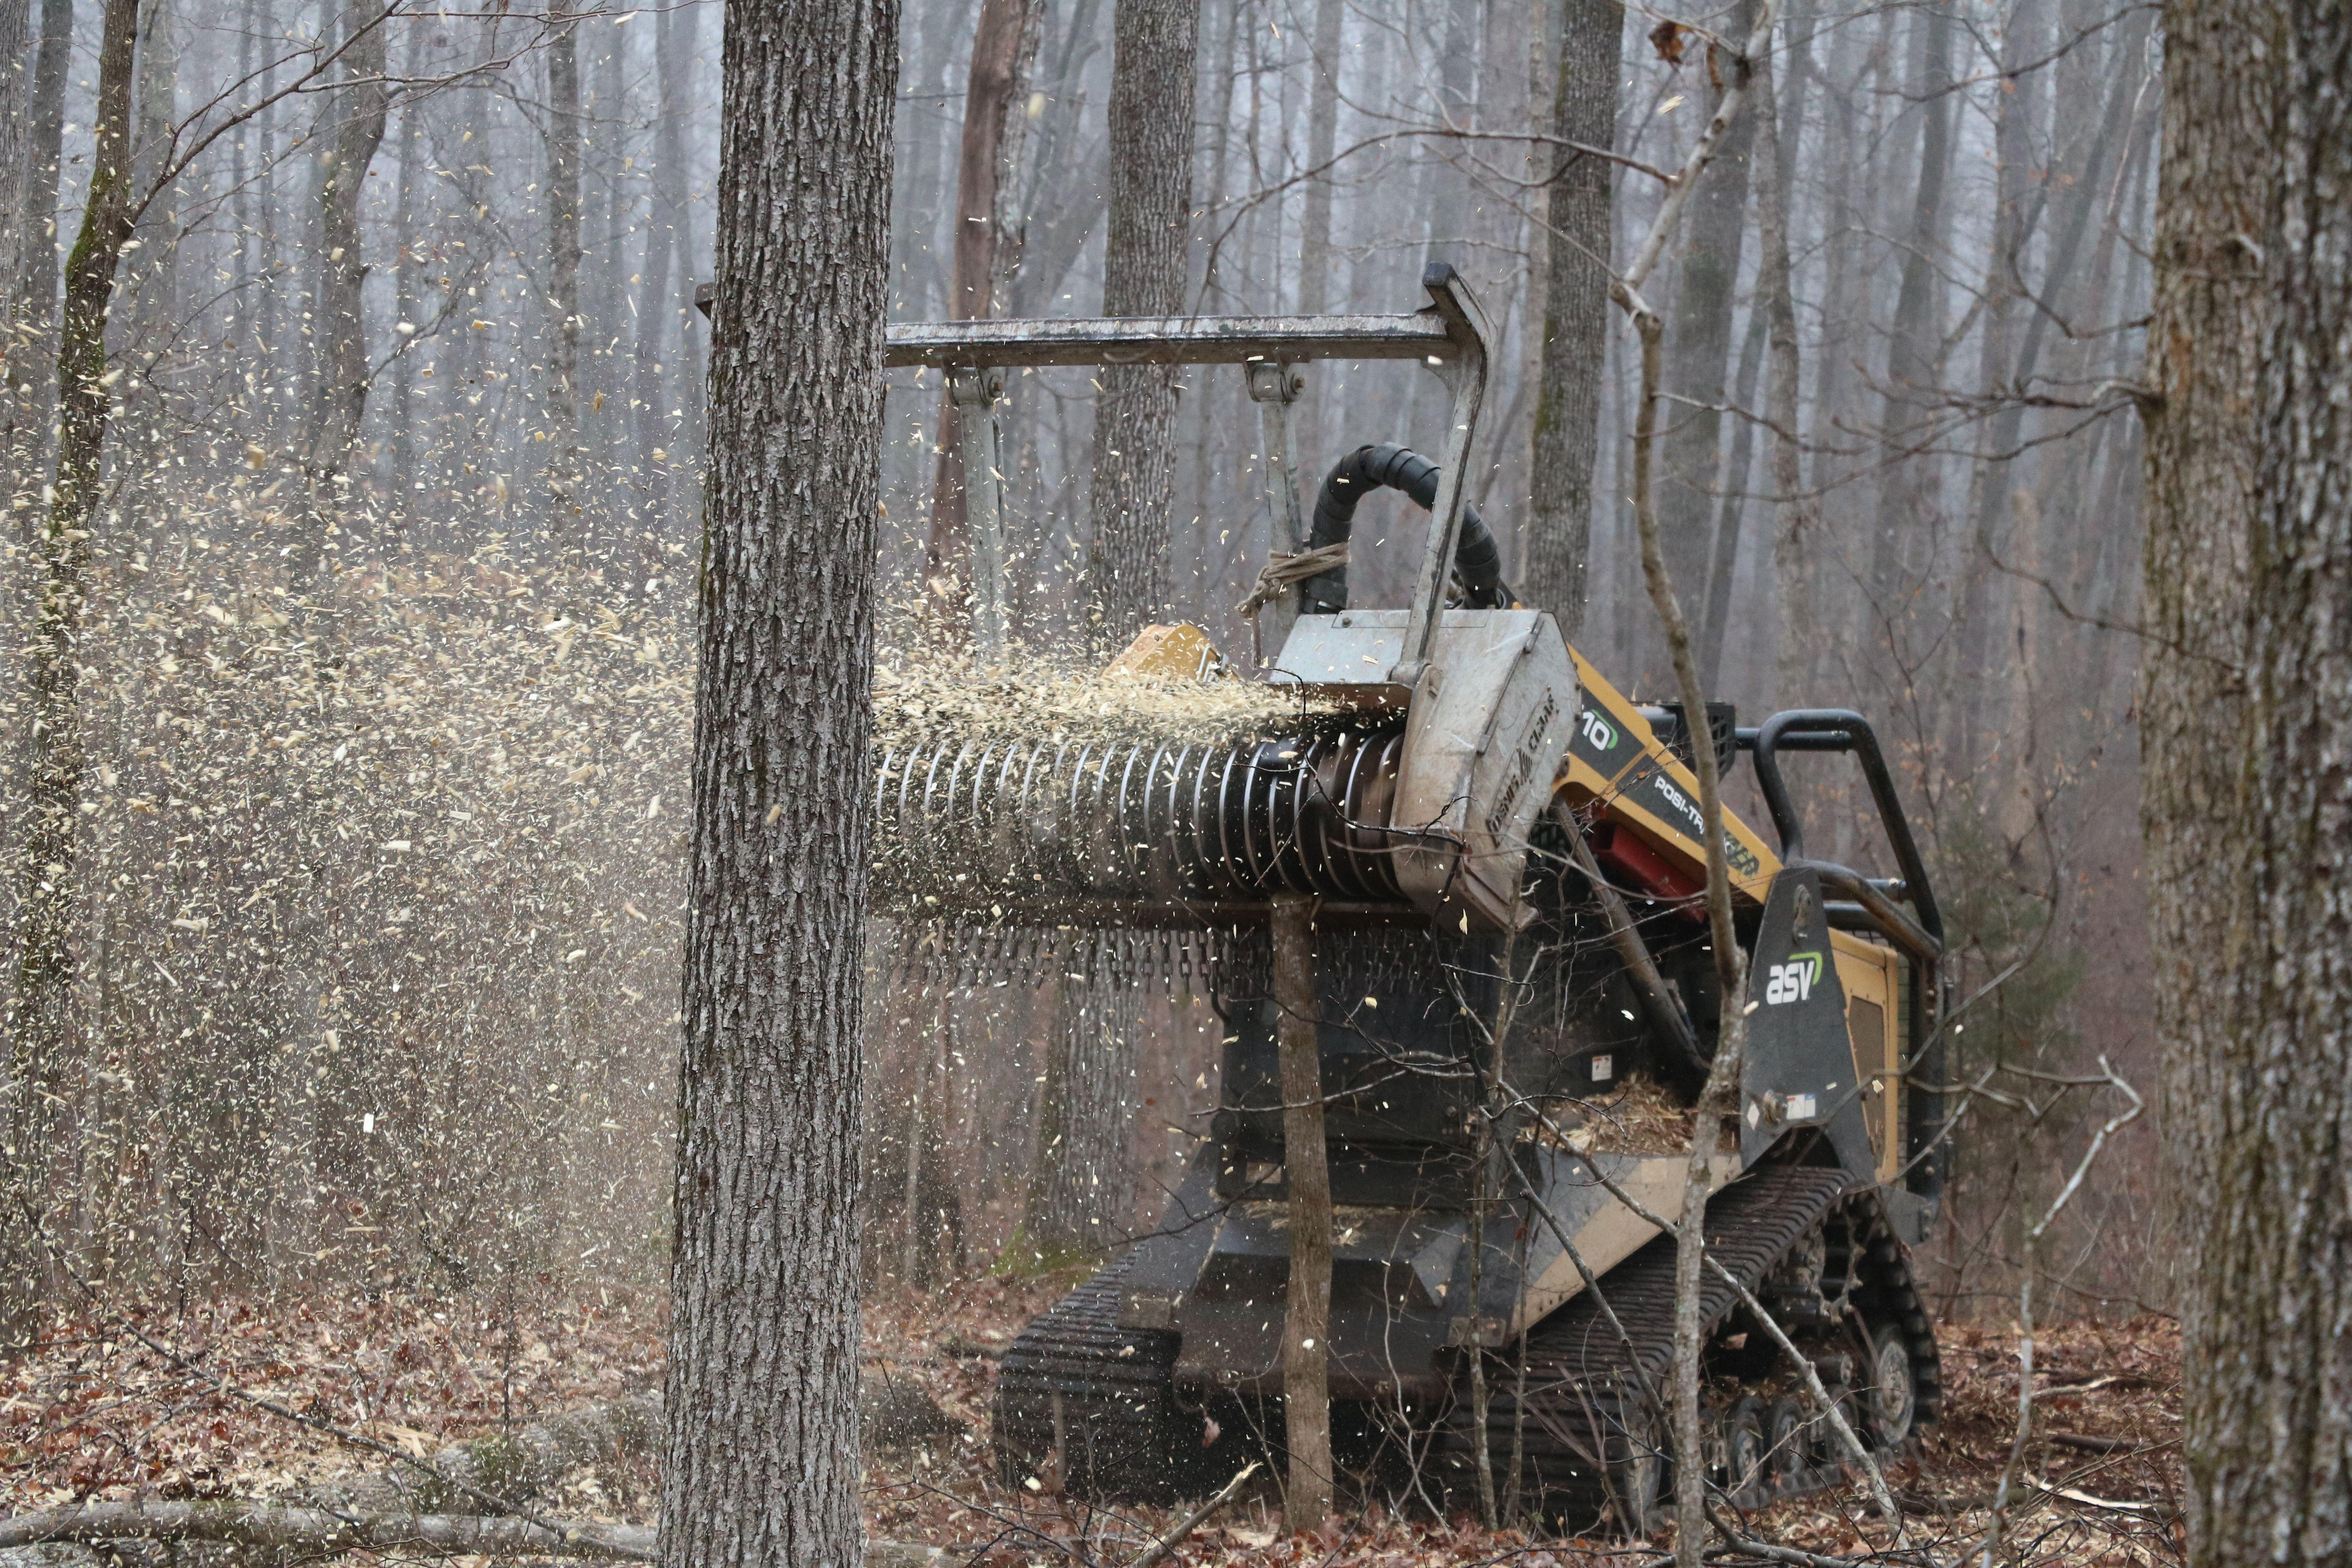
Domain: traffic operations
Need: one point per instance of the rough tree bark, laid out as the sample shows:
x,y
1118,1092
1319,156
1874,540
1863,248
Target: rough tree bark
x,y
40,1025
762,1459
995,124
2270,1368
1576,317
360,104
1143,275
2211,318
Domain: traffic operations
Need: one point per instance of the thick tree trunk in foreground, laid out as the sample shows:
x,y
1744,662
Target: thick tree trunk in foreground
x,y
2271,1374
1143,275
2210,324
40,1021
1576,317
762,1459
996,123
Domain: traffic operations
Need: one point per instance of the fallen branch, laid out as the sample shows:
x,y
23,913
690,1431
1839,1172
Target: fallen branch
x,y
2090,1443
1192,1522
270,1525
511,1465
65,1537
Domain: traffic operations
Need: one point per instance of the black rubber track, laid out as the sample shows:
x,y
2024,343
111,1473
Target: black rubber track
x,y
1584,1390
1101,1397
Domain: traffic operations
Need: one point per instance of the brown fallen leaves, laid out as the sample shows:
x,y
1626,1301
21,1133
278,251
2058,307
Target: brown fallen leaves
x,y
91,1416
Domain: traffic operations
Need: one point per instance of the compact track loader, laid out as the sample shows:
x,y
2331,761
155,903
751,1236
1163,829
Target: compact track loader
x,y
1431,798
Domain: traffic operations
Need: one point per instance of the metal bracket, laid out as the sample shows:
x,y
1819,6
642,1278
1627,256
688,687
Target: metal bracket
x,y
1274,387
1464,371
974,392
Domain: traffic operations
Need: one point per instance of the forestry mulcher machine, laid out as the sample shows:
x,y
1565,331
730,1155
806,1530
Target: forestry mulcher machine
x,y
1426,797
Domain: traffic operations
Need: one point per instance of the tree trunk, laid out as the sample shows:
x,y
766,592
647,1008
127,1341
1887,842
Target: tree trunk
x,y
1079,1185
1796,537
1731,515
658,316
762,1460
995,119
563,139
1064,192
2210,322
41,1024
20,218
2268,1363
36,284
1322,140
2019,201
1576,317
154,272
1307,1173
1905,498
340,331
1144,262
408,275
1698,356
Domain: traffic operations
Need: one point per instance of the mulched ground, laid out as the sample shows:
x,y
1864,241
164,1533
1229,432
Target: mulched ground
x,y
93,1413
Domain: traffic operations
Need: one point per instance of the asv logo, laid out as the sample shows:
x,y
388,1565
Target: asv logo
x,y
1597,733
1793,981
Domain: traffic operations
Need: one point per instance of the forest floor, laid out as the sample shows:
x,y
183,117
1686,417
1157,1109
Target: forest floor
x,y
93,1413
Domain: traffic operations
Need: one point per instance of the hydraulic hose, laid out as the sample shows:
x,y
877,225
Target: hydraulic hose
x,y
1475,560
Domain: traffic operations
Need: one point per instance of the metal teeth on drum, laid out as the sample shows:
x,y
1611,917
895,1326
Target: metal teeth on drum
x,y
968,827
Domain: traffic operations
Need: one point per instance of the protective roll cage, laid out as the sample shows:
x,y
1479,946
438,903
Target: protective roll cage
x,y
1873,904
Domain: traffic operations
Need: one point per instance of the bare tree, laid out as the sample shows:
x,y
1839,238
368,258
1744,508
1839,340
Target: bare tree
x,y
1575,314
1143,275
362,102
34,286
995,121
40,1021
762,1461
666,238
561,133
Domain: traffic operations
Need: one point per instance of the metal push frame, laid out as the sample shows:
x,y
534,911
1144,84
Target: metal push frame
x,y
1449,337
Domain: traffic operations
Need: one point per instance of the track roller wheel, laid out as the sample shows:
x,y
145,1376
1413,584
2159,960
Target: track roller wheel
x,y
1633,1458
1746,1452
1889,1407
1787,1443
